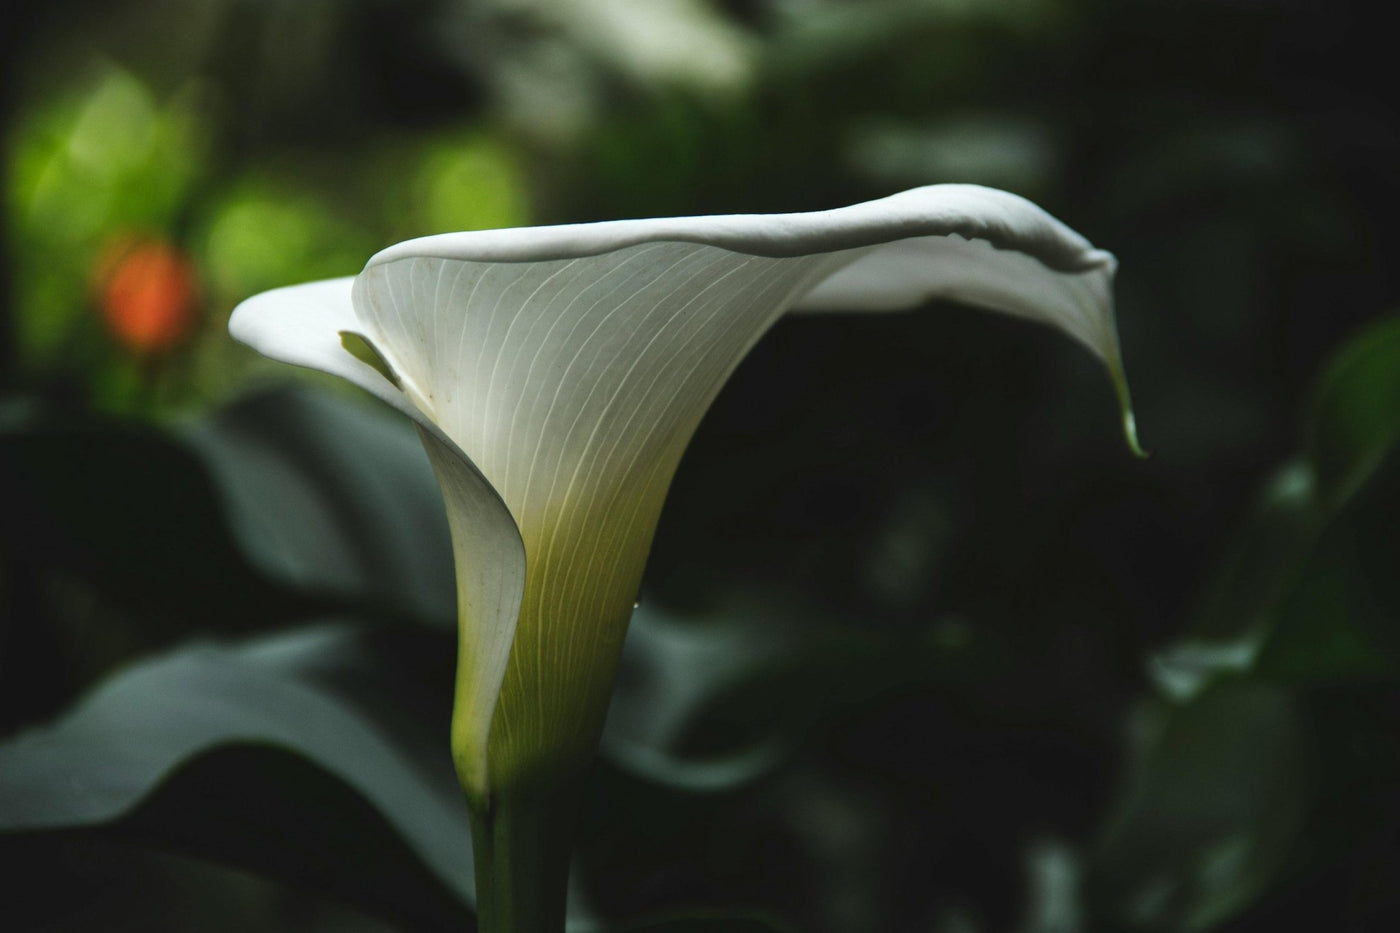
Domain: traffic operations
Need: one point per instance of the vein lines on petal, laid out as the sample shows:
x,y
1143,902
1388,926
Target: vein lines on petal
x,y
723,355
589,468
562,379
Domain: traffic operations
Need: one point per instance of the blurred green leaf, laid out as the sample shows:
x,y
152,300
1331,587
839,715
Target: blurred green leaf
x,y
1307,596
467,182
1053,874
709,702
673,670
1294,584
1208,813
121,503
318,757
1240,601
1339,620
259,236
282,498
1353,416
331,495
104,160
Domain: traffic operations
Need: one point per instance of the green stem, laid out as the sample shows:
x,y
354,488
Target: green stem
x,y
521,841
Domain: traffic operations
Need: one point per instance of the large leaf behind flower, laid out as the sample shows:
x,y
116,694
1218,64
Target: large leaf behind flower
x,y
1280,698
122,538
317,757
331,495
289,490
118,503
1304,563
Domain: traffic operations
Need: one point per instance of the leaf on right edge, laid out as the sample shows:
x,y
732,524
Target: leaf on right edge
x,y
1354,413
1208,814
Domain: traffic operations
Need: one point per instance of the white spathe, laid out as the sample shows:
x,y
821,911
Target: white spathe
x,y
557,373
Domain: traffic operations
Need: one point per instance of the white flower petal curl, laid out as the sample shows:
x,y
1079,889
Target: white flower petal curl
x,y
304,325
565,368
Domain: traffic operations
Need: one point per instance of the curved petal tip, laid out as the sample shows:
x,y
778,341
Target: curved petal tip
x,y
1125,408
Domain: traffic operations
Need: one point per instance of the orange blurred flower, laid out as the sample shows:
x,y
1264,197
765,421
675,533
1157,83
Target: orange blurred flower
x,y
147,292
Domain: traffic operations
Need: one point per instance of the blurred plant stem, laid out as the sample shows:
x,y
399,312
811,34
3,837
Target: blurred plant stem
x,y
521,841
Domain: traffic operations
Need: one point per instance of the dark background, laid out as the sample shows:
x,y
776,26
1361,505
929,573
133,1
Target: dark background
x,y
991,665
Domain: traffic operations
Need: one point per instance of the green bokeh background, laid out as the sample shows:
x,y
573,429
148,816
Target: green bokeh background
x,y
921,648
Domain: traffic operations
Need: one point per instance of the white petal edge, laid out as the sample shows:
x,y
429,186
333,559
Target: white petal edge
x,y
907,273
968,243
1006,220
302,325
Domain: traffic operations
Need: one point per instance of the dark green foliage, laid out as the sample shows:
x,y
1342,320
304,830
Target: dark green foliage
x,y
297,756
921,647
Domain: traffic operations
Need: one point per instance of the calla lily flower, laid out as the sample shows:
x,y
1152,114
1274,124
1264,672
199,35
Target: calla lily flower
x,y
556,375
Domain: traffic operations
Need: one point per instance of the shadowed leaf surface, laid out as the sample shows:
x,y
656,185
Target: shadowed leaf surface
x,y
333,496
1205,821
318,757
